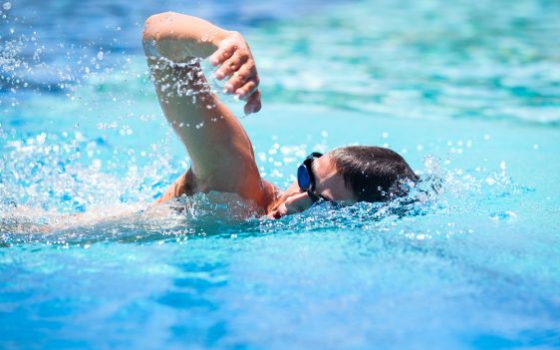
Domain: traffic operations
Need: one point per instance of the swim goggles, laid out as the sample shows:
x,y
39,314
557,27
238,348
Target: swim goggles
x,y
305,177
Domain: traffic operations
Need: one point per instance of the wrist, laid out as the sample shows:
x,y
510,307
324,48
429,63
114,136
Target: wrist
x,y
221,36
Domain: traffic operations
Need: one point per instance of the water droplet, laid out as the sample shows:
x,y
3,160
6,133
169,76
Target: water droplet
x,y
503,165
100,55
7,6
502,215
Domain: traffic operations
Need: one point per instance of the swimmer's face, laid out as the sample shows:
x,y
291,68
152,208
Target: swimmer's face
x,y
329,185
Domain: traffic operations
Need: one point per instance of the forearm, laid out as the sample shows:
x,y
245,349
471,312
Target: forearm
x,y
179,37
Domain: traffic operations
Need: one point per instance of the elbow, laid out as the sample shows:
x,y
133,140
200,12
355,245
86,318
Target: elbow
x,y
157,28
156,25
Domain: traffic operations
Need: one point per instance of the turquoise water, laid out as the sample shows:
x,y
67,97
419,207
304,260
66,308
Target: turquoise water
x,y
468,92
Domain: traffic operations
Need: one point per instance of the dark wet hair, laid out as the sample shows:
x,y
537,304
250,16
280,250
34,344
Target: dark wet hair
x,y
374,174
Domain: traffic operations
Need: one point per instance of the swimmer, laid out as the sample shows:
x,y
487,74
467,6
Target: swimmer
x,y
220,150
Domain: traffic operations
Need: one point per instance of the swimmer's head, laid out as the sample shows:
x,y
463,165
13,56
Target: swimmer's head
x,y
374,174
348,175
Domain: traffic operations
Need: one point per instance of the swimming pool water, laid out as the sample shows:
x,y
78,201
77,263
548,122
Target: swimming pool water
x,y
468,92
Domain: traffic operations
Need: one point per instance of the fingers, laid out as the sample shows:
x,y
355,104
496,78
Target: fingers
x,y
253,104
244,81
231,65
247,90
222,54
235,61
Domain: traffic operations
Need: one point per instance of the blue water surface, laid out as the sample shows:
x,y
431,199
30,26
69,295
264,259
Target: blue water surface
x,y
468,92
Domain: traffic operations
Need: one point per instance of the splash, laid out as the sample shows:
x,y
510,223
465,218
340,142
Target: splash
x,y
50,193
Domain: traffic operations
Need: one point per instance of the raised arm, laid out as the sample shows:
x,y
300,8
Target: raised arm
x,y
221,153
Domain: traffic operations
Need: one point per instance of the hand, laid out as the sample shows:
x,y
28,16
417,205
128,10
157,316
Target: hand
x,y
236,61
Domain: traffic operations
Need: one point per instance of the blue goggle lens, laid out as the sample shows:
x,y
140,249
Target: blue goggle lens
x,y
303,178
